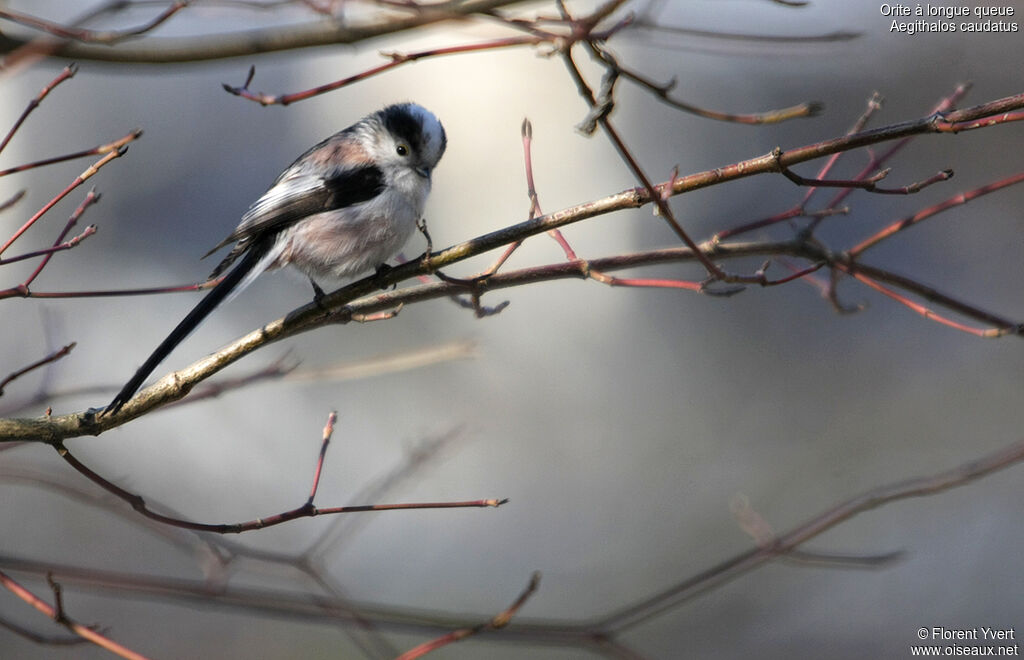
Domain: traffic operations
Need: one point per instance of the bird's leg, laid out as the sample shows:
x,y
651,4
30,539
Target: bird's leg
x,y
421,224
381,271
318,295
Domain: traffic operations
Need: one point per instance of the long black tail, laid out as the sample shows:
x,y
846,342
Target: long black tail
x,y
215,297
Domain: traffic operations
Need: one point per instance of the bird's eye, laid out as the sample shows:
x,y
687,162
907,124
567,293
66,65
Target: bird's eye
x,y
402,150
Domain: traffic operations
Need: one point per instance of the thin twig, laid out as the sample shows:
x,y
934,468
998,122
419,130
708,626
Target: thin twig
x,y
306,510
79,180
933,210
66,73
105,37
60,617
730,569
52,357
499,621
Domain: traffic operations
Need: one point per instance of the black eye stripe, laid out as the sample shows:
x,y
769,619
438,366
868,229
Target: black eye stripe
x,y
400,122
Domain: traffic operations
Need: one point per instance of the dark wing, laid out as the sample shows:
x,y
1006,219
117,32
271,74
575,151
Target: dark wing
x,y
299,194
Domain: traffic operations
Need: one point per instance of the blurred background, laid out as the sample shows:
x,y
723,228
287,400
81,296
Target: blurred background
x,y
619,422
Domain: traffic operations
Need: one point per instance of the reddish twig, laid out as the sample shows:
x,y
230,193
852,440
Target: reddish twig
x,y
800,209
67,73
878,160
935,209
526,131
58,615
1001,330
52,357
498,622
328,432
1002,325
874,104
59,247
79,180
90,198
100,149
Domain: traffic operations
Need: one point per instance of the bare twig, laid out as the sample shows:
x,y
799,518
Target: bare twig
x,y
135,134
79,180
653,606
499,621
933,210
52,357
267,40
60,617
67,73
306,510
92,36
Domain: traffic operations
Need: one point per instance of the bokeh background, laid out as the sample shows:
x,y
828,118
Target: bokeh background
x,y
619,422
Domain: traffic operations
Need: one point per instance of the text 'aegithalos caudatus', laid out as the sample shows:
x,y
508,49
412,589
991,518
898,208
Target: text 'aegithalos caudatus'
x,y
344,207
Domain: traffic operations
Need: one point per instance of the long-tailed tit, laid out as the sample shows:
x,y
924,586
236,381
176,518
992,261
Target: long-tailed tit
x,y
344,207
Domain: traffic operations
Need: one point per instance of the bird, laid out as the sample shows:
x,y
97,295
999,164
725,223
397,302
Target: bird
x,y
342,208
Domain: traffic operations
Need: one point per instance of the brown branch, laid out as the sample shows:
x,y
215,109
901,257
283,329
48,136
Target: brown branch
x,y
106,37
60,617
868,184
163,50
176,386
348,301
